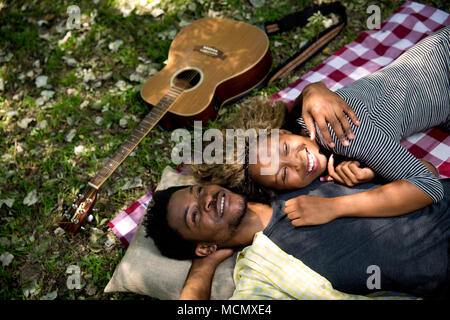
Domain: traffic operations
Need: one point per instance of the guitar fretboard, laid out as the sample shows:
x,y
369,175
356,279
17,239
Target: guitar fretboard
x,y
144,127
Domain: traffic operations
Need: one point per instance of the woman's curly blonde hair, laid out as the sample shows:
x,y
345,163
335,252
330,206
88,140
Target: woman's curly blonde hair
x,y
258,114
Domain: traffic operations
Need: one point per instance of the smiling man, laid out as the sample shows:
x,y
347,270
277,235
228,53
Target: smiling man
x,y
412,251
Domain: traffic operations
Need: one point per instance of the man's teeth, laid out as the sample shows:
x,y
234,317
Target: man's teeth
x,y
221,204
310,162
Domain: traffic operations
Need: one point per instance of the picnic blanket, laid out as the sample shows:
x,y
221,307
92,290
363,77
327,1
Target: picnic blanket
x,y
372,50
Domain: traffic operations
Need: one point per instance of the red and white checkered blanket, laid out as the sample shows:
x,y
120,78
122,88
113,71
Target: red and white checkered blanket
x,y
372,50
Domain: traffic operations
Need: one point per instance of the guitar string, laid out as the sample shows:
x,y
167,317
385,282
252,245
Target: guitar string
x,y
158,113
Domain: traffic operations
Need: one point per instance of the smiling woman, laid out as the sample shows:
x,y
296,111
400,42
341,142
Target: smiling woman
x,y
300,161
392,103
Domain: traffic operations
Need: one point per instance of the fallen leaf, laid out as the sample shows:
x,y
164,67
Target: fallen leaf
x,y
91,289
132,183
49,17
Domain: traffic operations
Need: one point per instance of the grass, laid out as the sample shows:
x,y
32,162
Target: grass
x,y
39,156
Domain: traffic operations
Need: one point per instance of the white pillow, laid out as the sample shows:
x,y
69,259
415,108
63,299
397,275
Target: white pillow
x,y
144,270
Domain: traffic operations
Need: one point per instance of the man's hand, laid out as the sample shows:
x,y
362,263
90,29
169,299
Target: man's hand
x,y
199,279
324,106
215,258
309,210
348,173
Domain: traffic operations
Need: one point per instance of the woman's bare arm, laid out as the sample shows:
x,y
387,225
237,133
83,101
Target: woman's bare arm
x,y
392,199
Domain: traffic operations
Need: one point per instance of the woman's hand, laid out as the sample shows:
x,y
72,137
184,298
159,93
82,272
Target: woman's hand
x,y
310,210
348,173
323,106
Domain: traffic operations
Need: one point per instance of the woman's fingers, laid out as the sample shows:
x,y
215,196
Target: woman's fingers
x,y
351,114
309,122
331,171
338,129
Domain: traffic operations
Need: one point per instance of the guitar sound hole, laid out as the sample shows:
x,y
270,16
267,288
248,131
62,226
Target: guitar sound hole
x,y
187,79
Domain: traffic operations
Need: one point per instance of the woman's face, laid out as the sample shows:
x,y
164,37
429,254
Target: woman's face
x,y
300,162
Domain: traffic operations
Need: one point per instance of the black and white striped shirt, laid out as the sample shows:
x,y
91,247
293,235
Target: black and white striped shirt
x,y
410,95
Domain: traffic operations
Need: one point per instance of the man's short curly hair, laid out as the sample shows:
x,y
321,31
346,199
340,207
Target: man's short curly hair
x,y
168,241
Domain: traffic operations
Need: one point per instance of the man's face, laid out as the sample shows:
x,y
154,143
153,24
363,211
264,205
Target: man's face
x,y
208,214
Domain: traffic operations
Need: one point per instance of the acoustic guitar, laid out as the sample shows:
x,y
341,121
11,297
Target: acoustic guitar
x,y
210,62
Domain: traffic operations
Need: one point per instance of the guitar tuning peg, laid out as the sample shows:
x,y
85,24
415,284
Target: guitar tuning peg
x,y
74,205
90,218
80,196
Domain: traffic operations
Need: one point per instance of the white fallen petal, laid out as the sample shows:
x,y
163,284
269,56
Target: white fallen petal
x,y
50,296
84,104
114,46
88,76
66,37
42,22
41,81
70,61
47,94
71,135
257,3
121,85
99,120
6,258
25,122
31,290
123,123
135,77
42,125
9,202
80,150
59,231
157,12
31,198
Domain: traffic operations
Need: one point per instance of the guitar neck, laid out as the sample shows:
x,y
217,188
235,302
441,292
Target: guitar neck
x,y
144,127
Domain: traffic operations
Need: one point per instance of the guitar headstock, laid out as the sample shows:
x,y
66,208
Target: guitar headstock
x,y
76,215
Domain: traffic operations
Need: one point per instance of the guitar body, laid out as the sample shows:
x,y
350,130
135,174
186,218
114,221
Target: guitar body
x,y
230,59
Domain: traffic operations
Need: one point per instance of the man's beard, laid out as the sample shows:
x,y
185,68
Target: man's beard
x,y
234,225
